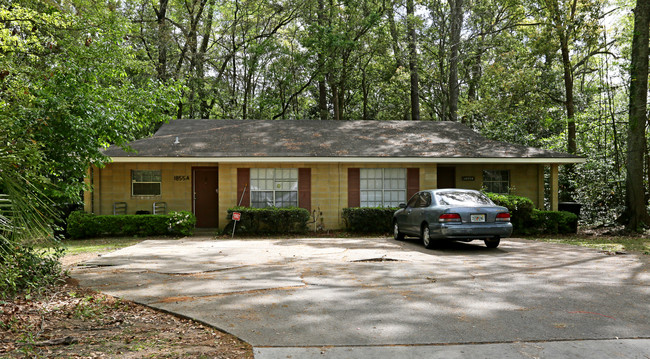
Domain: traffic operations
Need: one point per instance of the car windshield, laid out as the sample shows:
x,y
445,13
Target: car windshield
x,y
462,198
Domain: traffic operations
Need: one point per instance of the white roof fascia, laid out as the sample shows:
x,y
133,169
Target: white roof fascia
x,y
455,160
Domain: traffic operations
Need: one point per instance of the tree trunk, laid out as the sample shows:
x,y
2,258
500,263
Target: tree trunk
x,y
364,89
322,88
161,14
335,99
456,25
568,90
635,203
204,109
413,60
397,51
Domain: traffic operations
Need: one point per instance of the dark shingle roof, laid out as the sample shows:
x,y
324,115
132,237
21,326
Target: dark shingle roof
x,y
313,138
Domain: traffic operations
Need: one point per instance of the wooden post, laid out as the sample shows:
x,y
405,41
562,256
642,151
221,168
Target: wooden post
x,y
540,187
555,189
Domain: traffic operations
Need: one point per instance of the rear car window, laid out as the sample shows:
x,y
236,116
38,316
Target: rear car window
x,y
462,198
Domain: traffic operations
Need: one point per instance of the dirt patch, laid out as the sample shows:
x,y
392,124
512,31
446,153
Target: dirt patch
x,y
68,321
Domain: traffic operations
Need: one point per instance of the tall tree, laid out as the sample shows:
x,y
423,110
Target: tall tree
x,y
413,60
635,199
456,17
576,30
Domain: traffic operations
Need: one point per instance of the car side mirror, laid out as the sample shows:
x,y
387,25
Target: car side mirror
x,y
402,205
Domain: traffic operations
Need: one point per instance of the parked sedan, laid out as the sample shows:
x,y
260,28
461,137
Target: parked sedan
x,y
452,214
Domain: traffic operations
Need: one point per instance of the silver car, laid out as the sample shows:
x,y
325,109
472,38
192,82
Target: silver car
x,y
452,214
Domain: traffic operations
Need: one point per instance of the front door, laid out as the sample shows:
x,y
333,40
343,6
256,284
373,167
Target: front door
x,y
446,177
206,196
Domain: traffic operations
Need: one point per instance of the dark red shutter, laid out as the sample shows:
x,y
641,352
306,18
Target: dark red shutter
x,y
304,188
412,182
354,187
244,181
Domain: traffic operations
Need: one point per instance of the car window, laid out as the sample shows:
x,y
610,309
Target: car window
x,y
462,198
425,199
413,201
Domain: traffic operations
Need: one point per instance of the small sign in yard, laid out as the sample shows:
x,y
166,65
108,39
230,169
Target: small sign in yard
x,y
236,216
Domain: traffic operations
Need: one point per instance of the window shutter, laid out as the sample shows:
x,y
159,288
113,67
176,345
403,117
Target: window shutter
x,y
354,187
412,181
244,181
304,188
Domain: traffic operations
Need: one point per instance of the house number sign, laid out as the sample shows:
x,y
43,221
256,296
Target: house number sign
x,y
468,178
181,178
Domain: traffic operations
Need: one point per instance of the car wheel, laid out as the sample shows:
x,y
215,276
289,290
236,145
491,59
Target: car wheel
x,y
426,237
492,242
399,236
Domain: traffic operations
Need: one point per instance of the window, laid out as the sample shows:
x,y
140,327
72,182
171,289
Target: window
x,y
462,198
420,200
274,187
496,181
382,187
145,183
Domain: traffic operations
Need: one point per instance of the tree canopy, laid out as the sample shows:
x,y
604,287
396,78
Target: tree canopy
x,y
77,75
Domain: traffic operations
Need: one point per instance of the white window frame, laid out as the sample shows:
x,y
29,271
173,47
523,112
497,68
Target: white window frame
x,y
379,179
152,173
489,185
274,180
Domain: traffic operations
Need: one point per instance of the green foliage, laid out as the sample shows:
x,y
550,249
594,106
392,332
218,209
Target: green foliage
x,y
369,219
181,223
71,85
554,222
521,210
527,220
87,225
28,269
269,220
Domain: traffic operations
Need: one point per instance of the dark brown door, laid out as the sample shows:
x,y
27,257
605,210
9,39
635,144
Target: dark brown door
x,y
446,177
206,196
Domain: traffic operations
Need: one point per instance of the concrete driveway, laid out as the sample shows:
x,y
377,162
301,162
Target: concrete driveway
x,y
376,297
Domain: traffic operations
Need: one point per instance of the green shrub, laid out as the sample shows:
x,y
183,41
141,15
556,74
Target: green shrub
x,y
527,220
87,225
521,210
269,220
23,268
369,219
181,223
554,222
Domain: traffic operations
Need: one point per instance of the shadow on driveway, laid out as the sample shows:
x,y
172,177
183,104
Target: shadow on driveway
x,y
379,292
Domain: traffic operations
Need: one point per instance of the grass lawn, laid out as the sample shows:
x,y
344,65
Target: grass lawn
x,y
98,245
640,245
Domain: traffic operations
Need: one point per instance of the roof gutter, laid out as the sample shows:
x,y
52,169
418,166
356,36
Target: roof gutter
x,y
454,160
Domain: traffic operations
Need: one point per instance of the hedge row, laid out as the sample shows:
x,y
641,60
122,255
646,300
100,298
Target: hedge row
x,y
269,220
553,222
88,225
369,219
526,220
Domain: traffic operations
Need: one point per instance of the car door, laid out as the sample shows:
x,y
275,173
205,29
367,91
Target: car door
x,y
419,213
407,223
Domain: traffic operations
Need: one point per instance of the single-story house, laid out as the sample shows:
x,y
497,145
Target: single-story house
x,y
208,166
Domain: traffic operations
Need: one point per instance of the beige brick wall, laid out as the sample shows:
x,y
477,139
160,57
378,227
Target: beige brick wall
x,y
113,184
329,185
525,180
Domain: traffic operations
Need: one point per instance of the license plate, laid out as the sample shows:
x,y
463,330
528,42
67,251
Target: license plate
x,y
477,218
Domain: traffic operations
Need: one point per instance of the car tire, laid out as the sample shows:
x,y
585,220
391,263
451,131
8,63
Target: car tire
x,y
399,236
492,242
426,237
